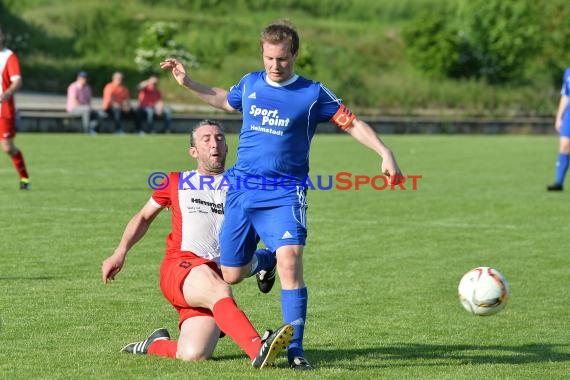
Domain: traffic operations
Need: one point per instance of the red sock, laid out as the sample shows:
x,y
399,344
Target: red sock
x,y
19,164
233,322
165,348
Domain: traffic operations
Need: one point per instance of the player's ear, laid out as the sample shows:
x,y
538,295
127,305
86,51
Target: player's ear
x,y
193,152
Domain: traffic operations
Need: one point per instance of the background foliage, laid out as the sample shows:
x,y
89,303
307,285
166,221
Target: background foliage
x,y
388,56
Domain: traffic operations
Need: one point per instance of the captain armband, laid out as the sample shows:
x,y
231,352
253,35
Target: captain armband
x,y
343,118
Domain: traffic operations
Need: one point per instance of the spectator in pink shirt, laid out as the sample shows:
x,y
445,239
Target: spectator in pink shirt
x,y
151,104
79,103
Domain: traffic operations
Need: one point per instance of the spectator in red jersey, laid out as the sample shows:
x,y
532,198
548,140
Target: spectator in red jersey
x,y
117,103
11,82
151,105
190,277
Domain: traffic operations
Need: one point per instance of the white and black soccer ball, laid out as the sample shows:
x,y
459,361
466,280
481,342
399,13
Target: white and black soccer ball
x,y
483,291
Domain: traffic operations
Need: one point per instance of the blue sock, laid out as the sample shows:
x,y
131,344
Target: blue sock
x,y
561,167
294,309
263,259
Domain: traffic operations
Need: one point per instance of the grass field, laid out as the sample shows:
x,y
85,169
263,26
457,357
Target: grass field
x,y
382,266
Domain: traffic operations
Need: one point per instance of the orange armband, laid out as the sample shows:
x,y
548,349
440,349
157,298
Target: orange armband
x,y
343,117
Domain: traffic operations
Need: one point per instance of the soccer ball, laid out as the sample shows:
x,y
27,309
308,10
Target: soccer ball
x,y
483,291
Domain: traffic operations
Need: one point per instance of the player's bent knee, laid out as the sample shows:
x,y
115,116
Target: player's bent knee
x,y
192,355
232,275
564,145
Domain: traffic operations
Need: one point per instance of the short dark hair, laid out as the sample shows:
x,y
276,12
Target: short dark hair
x,y
279,31
201,124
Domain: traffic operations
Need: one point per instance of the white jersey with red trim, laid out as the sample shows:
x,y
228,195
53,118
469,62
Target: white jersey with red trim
x,y
197,213
9,72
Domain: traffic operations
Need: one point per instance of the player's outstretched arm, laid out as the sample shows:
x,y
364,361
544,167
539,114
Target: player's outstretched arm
x,y
214,96
364,134
135,230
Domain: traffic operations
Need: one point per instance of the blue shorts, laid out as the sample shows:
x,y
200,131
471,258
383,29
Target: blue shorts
x,y
277,216
565,128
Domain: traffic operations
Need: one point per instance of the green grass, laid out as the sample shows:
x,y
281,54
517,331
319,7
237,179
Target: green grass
x,y
382,266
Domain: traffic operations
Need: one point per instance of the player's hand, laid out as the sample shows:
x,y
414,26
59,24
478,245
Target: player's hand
x,y
557,126
391,169
111,267
176,68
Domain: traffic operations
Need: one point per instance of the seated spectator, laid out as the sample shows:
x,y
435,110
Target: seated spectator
x,y
79,104
151,105
117,103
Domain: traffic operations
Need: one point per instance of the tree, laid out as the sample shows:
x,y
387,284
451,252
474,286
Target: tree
x,y
156,43
490,39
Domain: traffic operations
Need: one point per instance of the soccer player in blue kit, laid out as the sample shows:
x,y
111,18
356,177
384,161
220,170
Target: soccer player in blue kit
x,y
562,125
281,111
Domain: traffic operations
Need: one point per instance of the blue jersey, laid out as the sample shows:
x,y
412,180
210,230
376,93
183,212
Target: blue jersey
x,y
565,127
279,122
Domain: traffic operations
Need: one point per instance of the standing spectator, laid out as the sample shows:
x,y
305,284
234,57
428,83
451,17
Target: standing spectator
x,y
117,103
79,103
11,81
151,104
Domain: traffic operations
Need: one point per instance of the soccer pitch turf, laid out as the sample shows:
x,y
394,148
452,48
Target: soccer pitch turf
x,y
382,267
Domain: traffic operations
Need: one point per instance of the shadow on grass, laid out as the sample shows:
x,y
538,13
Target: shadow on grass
x,y
433,355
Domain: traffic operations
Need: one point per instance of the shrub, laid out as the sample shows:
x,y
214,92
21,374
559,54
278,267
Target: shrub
x,y
156,43
491,39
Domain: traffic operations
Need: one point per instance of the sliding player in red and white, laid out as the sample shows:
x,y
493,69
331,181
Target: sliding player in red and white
x,y
11,78
190,277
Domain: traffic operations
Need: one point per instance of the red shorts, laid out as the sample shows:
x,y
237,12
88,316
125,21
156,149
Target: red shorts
x,y
7,128
173,272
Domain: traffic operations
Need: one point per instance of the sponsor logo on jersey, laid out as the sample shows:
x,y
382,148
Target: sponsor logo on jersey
x,y
217,208
252,96
269,117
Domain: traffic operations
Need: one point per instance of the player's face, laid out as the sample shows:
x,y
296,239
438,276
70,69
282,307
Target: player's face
x,y
278,61
209,149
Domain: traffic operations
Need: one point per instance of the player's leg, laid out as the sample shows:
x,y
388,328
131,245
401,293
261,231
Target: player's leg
x,y
7,134
563,155
238,241
198,338
294,300
283,229
205,288
160,342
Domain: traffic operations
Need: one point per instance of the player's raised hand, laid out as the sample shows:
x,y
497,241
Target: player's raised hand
x,y
110,267
176,68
